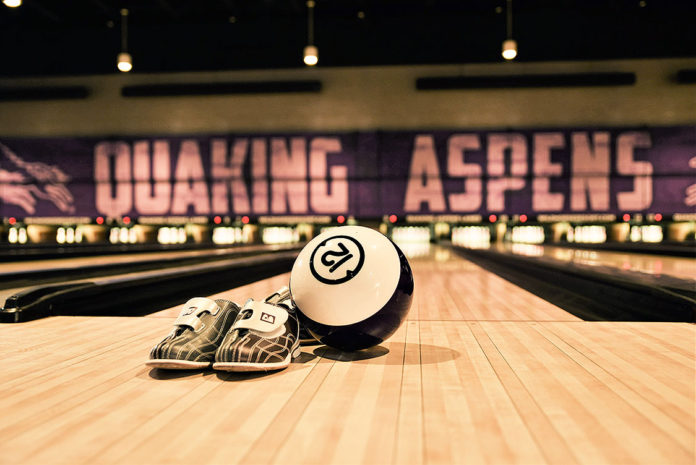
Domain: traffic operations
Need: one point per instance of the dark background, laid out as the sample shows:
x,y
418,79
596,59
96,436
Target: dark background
x,y
44,37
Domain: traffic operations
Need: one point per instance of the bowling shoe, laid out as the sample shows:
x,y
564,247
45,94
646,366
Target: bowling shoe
x,y
197,334
264,337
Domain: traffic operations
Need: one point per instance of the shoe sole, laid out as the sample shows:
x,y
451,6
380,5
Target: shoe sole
x,y
246,366
177,364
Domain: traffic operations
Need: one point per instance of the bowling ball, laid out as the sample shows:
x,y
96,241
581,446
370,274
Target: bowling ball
x,y
353,287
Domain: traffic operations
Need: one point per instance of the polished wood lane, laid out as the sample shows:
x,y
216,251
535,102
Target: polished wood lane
x,y
118,258
437,392
652,264
487,383
449,287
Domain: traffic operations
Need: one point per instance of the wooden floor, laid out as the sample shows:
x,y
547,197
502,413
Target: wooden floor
x,y
482,372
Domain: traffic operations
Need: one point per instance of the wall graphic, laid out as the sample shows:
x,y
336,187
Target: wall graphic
x,y
367,174
25,183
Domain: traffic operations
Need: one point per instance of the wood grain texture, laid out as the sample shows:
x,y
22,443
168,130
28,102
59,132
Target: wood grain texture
x,y
449,287
481,372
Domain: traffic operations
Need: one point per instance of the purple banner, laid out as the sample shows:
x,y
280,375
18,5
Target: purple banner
x,y
366,174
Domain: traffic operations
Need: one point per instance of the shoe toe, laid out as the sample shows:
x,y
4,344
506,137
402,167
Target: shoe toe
x,y
249,349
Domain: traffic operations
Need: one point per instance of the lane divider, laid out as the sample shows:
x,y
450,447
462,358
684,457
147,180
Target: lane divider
x,y
140,293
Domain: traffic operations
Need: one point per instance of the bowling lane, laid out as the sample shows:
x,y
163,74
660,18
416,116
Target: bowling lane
x,y
12,270
69,263
655,265
447,287
442,390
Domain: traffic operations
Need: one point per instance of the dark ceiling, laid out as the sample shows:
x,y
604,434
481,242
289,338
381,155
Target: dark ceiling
x,y
58,37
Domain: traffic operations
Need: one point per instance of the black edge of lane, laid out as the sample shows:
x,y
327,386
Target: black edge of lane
x,y
12,279
590,295
144,292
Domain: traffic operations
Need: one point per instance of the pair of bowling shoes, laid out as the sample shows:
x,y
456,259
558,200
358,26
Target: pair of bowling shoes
x,y
260,336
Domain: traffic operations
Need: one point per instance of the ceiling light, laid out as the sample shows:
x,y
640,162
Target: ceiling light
x,y
509,49
311,55
509,45
12,3
311,52
125,61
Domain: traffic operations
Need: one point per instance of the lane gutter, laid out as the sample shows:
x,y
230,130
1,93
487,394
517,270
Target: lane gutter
x,y
594,294
140,293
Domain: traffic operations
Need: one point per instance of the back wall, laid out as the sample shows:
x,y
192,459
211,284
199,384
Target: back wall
x,y
357,99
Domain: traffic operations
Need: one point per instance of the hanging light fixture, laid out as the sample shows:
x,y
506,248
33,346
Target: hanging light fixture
x,y
311,55
125,62
311,52
509,49
509,44
12,3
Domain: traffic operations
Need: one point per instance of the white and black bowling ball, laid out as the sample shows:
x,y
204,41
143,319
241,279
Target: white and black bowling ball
x,y
353,287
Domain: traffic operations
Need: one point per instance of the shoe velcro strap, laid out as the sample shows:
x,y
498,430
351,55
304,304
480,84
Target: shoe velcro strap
x,y
193,309
281,295
264,317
